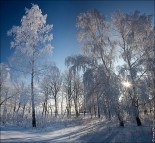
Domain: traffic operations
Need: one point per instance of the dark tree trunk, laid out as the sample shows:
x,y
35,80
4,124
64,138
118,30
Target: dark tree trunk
x,y
56,108
76,108
98,111
23,111
84,113
32,96
95,110
67,113
138,121
18,107
43,109
121,123
77,113
33,119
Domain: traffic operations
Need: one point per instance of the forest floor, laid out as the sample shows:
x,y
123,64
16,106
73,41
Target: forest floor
x,y
80,131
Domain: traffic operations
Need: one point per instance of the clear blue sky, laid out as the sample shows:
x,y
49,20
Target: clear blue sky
x,y
62,14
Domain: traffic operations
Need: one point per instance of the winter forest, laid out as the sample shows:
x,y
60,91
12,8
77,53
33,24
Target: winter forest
x,y
106,93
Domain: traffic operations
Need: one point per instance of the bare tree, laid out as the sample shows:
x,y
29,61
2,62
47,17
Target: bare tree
x,y
4,83
44,89
55,81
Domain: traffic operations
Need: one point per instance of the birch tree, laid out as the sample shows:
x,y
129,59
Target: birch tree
x,y
68,91
94,33
131,29
31,40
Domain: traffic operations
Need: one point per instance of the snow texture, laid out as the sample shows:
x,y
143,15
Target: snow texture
x,y
80,132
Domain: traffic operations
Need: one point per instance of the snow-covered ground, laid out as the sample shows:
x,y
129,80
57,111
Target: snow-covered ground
x,y
79,132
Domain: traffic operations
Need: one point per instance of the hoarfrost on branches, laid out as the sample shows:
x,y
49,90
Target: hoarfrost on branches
x,y
33,33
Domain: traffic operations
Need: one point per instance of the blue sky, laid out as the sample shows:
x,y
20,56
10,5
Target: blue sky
x,y
62,14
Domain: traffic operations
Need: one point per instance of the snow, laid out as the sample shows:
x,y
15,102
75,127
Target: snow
x,y
80,131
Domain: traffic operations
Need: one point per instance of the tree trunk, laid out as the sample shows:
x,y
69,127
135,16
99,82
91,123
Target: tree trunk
x,y
32,96
14,109
29,108
76,107
138,121
98,111
23,110
56,108
68,113
94,110
121,123
135,109
18,108
77,113
98,107
5,112
43,109
69,109
62,105
136,114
